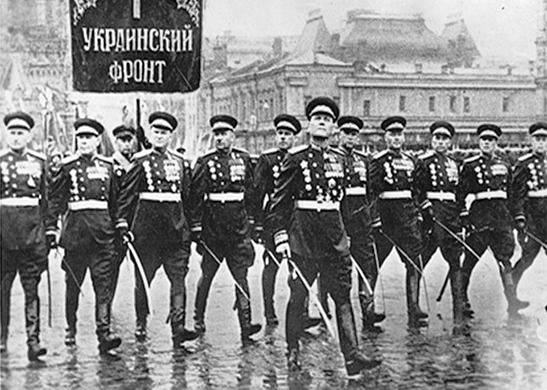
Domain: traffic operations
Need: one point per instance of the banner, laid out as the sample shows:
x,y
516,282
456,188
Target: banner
x,y
136,45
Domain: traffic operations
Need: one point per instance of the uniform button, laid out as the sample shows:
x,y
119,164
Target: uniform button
x,y
81,179
14,185
82,189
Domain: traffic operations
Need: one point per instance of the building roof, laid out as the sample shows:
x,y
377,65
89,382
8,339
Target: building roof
x,y
387,39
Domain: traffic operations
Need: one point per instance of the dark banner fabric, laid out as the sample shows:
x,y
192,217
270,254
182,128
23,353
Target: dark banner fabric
x,y
136,45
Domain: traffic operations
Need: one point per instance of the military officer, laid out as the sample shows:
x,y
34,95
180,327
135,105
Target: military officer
x,y
487,178
84,191
23,203
395,213
308,228
223,218
436,183
356,216
529,196
125,140
152,211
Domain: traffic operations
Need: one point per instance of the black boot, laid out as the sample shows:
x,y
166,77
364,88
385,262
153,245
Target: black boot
x,y
293,359
5,316
107,339
416,317
140,330
458,303
514,304
369,317
181,335
268,289
347,333
32,324
202,293
244,314
70,336
177,316
72,299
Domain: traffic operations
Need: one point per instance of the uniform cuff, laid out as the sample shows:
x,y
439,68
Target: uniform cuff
x,y
122,223
195,228
281,237
425,204
520,217
376,222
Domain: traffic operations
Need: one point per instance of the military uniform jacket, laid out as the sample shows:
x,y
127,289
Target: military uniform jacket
x,y
306,202
266,172
121,163
436,180
23,199
220,195
529,187
391,177
487,179
355,205
84,192
153,198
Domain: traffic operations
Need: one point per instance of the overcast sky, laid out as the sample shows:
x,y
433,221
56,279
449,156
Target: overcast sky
x,y
499,27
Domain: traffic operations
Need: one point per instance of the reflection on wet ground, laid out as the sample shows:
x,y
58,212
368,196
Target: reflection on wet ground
x,y
499,352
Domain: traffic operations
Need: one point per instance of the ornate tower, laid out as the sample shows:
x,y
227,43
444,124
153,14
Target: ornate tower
x,y
541,44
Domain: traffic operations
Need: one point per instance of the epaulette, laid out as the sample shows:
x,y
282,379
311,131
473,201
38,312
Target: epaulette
x,y
471,159
426,155
338,151
69,159
3,152
240,150
176,154
270,151
407,154
142,153
36,154
360,153
109,160
209,152
298,149
525,157
380,154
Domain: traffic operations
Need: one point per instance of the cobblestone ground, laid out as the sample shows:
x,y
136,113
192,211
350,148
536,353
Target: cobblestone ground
x,y
499,353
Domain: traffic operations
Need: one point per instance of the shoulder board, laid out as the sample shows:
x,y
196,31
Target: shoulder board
x,y
109,160
270,151
39,155
209,152
298,149
471,159
360,153
142,153
426,155
4,152
408,155
380,154
240,150
69,159
338,151
176,154
525,157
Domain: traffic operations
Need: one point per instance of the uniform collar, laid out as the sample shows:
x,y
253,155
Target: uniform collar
x,y
21,152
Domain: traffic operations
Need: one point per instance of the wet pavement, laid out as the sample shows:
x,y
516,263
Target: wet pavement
x,y
499,352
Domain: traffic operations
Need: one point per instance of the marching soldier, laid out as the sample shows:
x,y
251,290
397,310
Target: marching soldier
x,y
488,178
437,178
308,229
356,216
529,195
152,213
23,203
84,192
395,212
222,220
125,141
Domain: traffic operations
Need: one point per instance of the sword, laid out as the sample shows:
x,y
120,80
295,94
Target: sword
x,y
362,275
310,292
220,263
48,295
455,236
377,260
142,274
69,269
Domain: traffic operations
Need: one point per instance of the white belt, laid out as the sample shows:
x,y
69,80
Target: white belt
x,y
315,205
498,194
88,205
356,191
450,196
23,201
538,193
226,196
161,196
403,194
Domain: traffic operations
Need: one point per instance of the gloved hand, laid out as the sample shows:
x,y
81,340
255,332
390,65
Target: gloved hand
x,y
466,222
428,219
520,224
257,234
195,236
284,249
51,240
377,227
124,234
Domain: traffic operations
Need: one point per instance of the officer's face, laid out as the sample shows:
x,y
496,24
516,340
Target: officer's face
x,y
539,144
223,139
17,139
125,144
394,139
87,143
488,144
160,138
284,139
321,125
349,138
441,142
